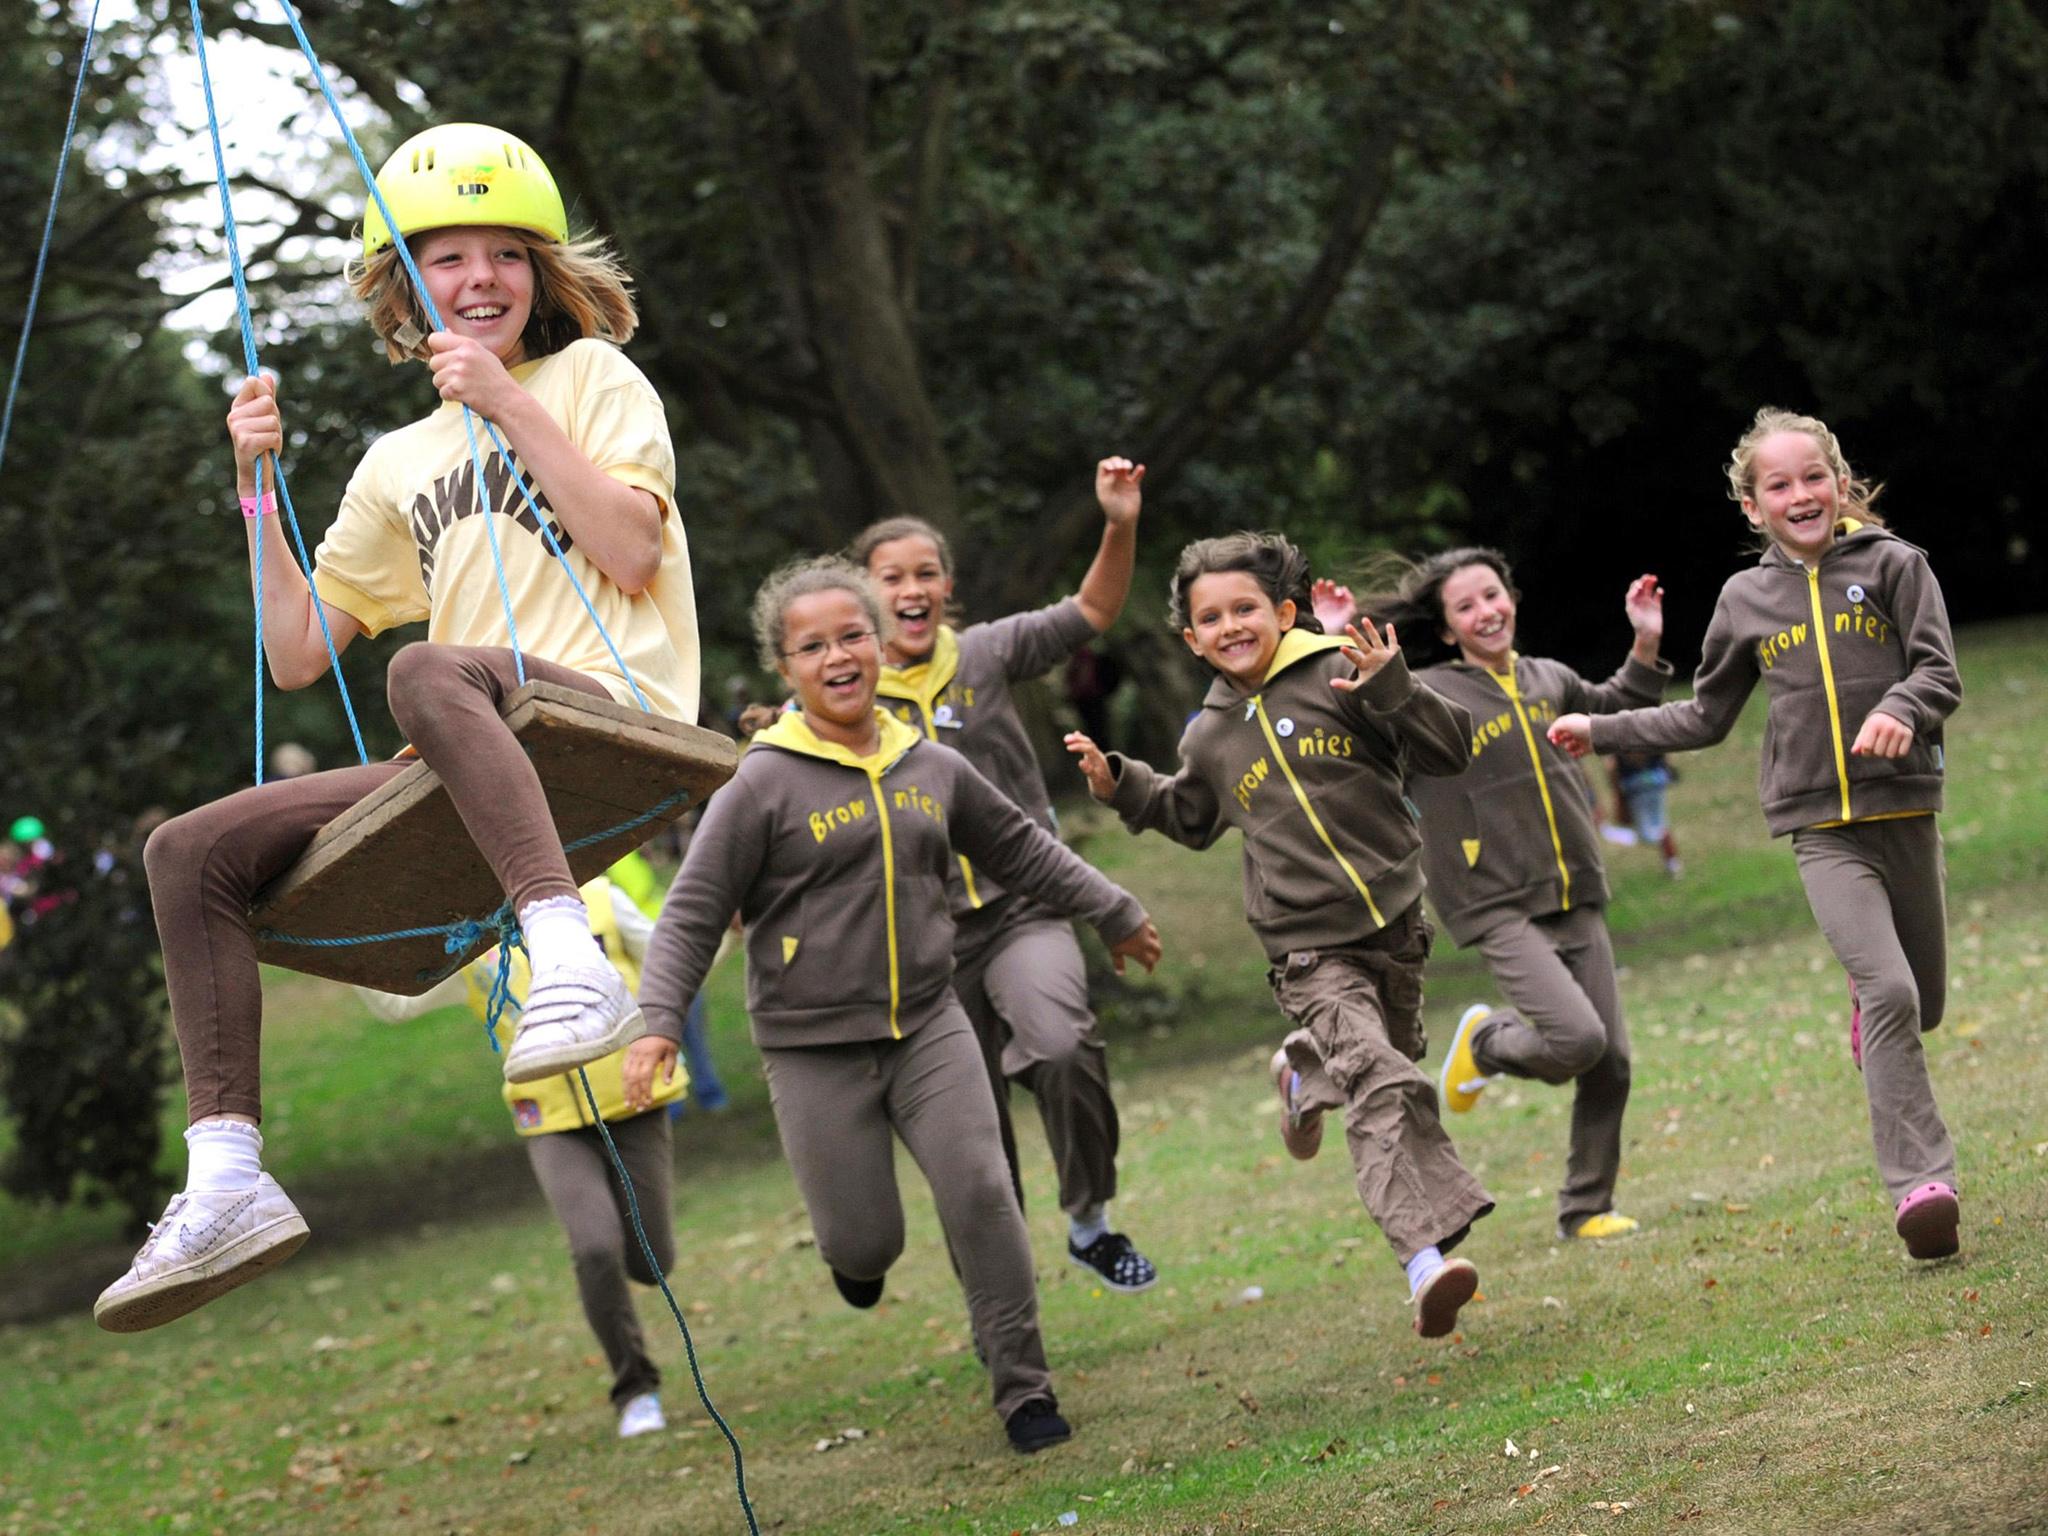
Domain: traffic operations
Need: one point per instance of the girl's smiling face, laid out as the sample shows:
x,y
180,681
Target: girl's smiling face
x,y
1235,627
1479,616
1797,496
915,589
481,282
831,659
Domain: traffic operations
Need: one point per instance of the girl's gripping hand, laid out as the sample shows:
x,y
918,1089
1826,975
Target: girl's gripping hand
x,y
1333,605
1572,732
1882,735
1094,767
1368,651
1117,490
469,373
254,428
1644,606
645,1057
1142,946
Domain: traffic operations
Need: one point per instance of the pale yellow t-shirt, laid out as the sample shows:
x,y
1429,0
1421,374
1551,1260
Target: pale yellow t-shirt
x,y
409,542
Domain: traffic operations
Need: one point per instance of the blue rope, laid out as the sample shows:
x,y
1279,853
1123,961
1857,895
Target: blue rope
x,y
35,287
469,417
739,1470
244,319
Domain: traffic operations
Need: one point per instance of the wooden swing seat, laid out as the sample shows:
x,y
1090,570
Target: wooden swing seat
x,y
401,857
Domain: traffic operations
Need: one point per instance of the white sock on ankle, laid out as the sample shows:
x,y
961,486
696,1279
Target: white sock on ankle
x,y
225,1155
557,932
1422,1266
1088,1226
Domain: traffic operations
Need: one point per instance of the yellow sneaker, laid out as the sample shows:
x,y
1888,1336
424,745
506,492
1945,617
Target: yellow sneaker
x,y
1596,1228
1461,1082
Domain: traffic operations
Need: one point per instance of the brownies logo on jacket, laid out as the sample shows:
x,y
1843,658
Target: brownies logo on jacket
x,y
454,498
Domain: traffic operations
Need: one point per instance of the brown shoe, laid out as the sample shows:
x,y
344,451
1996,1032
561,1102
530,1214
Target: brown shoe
x,y
1441,1295
1301,1131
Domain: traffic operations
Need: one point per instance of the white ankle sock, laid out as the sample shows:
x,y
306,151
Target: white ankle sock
x,y
225,1155
557,932
1088,1226
1422,1266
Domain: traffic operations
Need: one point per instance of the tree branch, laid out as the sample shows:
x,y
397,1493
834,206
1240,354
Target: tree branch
x,y
1245,363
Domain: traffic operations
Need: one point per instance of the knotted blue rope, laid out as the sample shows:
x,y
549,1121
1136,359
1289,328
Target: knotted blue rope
x,y
35,287
245,320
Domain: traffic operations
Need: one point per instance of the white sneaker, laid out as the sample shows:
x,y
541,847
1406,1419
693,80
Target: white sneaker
x,y
641,1416
574,1015
206,1243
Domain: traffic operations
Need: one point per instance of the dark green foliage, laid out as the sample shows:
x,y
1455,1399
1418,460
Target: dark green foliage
x,y
83,1048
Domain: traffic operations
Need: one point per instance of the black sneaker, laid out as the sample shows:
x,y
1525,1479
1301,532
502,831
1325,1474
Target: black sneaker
x,y
1121,1267
858,1293
1036,1425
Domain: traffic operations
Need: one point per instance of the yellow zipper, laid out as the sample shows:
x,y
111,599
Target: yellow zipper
x,y
931,731
1514,693
1280,757
1827,681
888,901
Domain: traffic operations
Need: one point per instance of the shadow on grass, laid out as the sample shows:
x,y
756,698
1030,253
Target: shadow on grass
x,y
396,1202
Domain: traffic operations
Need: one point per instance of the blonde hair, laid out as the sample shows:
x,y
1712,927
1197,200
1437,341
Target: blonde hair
x,y
1741,466
803,578
580,288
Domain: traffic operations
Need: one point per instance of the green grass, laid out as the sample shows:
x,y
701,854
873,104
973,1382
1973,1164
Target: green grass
x,y
1761,1358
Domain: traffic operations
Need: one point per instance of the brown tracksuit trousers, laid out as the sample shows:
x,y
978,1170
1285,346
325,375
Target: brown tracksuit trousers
x,y
1565,1026
1877,890
1357,1012
207,865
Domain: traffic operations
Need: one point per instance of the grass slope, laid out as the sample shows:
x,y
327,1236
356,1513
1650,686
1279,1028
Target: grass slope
x,y
1761,1358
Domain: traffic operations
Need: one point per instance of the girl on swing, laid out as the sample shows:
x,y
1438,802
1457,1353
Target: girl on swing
x,y
533,323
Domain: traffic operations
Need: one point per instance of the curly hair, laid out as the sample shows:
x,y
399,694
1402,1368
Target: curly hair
x,y
802,578
1280,569
1741,466
580,288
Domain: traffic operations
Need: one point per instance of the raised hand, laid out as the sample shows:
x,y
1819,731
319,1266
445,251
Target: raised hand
x,y
1644,606
1094,766
1572,732
1332,605
1142,946
254,428
1117,492
1368,651
1882,735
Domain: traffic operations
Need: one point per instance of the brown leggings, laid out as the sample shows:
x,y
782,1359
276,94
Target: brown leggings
x,y
206,866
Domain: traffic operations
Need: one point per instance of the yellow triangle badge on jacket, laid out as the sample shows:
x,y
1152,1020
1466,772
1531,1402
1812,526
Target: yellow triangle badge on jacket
x,y
1471,846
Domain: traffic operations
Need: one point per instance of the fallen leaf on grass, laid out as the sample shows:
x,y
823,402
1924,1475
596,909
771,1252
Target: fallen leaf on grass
x,y
519,1458
1333,1448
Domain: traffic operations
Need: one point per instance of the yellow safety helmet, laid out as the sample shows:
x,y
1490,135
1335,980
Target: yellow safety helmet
x,y
464,173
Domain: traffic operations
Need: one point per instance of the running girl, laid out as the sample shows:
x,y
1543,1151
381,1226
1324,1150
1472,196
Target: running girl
x,y
834,843
1017,969
1845,625
1514,862
1305,744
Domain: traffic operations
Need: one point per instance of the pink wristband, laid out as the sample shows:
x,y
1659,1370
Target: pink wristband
x,y
266,507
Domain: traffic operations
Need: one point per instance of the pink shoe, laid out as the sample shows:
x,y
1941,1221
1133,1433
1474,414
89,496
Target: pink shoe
x,y
1855,1026
1926,1220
